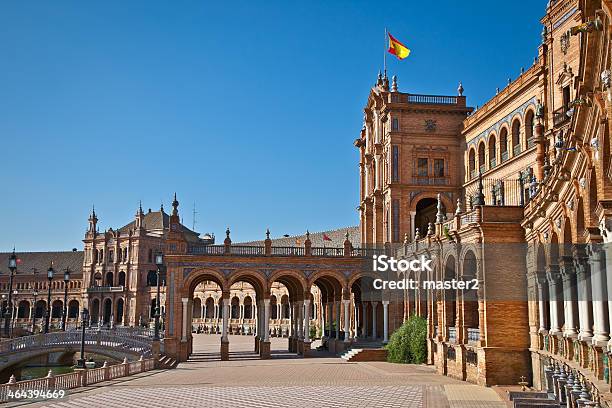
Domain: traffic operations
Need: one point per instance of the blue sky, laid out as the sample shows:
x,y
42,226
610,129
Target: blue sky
x,y
249,110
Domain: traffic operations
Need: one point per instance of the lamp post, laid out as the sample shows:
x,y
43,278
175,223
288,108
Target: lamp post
x,y
84,323
159,262
50,273
65,311
35,293
15,312
12,264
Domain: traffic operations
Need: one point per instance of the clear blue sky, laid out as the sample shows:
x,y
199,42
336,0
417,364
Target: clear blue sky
x,y
248,110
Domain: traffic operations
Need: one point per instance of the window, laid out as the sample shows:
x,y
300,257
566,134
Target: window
x,y
395,164
111,256
395,124
150,255
438,167
566,96
395,208
422,167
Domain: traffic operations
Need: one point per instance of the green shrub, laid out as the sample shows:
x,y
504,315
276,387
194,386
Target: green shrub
x,y
408,344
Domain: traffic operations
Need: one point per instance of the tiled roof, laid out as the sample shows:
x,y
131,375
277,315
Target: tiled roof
x,y
337,237
158,221
28,261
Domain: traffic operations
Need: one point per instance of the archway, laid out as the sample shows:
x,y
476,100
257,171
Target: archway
x,y
23,309
471,320
426,210
73,309
108,310
450,300
94,311
119,311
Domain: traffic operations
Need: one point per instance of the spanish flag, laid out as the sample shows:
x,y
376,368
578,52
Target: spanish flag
x,y
397,48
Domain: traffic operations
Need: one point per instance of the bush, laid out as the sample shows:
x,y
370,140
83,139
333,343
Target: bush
x,y
408,344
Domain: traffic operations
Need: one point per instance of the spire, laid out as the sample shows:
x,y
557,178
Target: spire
x,y
394,84
139,216
379,79
93,220
440,214
175,205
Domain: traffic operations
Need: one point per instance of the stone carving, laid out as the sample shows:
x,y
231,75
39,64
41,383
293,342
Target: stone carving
x,y
565,42
430,125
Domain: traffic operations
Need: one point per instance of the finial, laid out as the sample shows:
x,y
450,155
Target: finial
x,y
227,232
394,84
458,210
346,236
497,91
307,234
417,234
140,205
267,233
175,205
460,89
522,70
161,208
439,214
509,80
93,210
430,229
406,239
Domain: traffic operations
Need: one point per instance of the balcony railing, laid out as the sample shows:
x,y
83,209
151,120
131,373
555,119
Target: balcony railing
x,y
433,99
248,250
560,116
98,289
516,150
482,168
473,335
492,163
452,334
504,156
288,251
424,181
323,251
530,142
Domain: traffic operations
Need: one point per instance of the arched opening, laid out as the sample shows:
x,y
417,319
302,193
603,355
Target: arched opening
x,y
210,308
40,309
73,309
94,311
23,309
108,311
109,279
56,309
450,297
153,308
557,318
152,278
119,312
529,129
235,305
285,307
516,137
197,308
492,152
121,278
248,307
471,319
503,144
472,163
481,158
273,308
426,210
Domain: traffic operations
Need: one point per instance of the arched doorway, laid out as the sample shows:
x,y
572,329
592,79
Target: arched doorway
x,y
426,210
108,311
119,311
94,311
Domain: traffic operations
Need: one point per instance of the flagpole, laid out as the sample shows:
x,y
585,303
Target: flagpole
x,y
385,52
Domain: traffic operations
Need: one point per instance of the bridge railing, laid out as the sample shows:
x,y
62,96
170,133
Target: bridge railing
x,y
15,390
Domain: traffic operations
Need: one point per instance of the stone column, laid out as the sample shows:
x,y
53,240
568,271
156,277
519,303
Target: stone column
x,y
569,298
266,322
225,315
337,304
324,318
364,321
608,265
385,321
374,305
542,298
204,312
553,288
185,302
584,294
306,320
599,296
347,320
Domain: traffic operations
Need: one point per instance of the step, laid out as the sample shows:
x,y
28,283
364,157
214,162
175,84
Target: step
x,y
368,354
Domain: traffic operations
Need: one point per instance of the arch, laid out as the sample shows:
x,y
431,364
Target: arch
x,y
121,281
273,308
198,276
40,309
482,167
503,144
94,311
472,163
425,213
449,296
23,309
56,309
210,308
516,137
108,280
197,308
529,128
107,311
119,310
294,281
469,266
73,309
580,225
284,307
235,307
492,151
254,278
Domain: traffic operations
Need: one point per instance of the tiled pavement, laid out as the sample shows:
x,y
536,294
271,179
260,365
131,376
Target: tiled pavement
x,y
325,381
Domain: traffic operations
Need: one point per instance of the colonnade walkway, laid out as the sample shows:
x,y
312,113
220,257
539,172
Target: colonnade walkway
x,y
327,381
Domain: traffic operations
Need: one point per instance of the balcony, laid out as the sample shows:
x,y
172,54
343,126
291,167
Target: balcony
x,y
530,143
560,116
99,289
430,181
452,334
492,163
504,156
516,150
473,335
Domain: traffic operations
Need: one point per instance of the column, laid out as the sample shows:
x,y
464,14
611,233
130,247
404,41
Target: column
x,y
385,321
347,320
291,329
569,299
225,316
266,322
204,311
255,313
584,294
553,287
599,296
185,302
608,266
374,304
337,304
364,322
331,318
542,284
324,317
307,320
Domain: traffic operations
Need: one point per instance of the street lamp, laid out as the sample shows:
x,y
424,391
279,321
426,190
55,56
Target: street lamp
x,y
65,311
35,293
84,323
12,265
159,262
50,273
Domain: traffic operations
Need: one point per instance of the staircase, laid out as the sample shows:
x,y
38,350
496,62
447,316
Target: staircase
x,y
365,351
533,399
167,362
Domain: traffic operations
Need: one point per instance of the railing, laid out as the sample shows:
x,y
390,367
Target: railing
x,y
473,335
560,116
323,251
498,191
482,168
433,99
469,218
76,379
471,357
250,250
247,250
504,156
288,251
368,252
452,334
530,142
492,163
97,289
206,249
516,150
423,181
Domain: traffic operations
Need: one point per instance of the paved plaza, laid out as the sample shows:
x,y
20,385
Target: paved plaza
x,y
283,381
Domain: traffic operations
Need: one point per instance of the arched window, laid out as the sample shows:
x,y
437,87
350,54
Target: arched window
x,y
472,161
492,152
119,311
285,307
235,308
529,129
40,309
210,308
197,308
248,307
503,145
23,310
109,279
56,309
481,157
273,308
152,278
516,137
121,278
